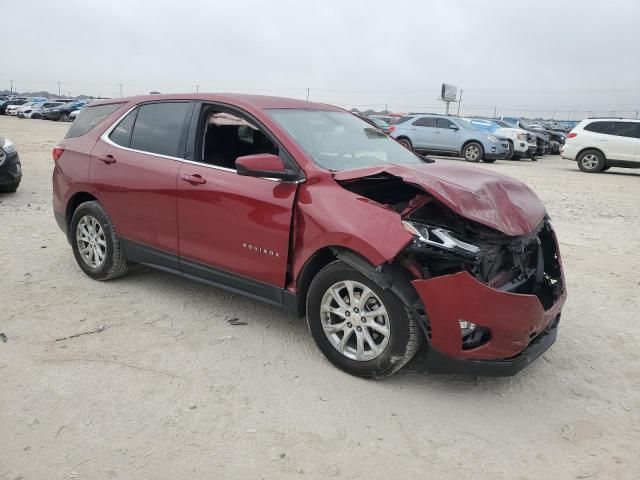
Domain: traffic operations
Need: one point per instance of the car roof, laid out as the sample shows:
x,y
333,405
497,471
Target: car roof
x,y
617,119
255,101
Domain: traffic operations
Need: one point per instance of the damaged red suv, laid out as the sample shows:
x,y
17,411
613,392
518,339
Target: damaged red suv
x,y
307,207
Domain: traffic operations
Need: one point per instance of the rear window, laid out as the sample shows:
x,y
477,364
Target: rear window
x,y
158,128
599,127
89,117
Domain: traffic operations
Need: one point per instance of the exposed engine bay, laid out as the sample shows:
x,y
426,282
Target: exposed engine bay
x,y
445,243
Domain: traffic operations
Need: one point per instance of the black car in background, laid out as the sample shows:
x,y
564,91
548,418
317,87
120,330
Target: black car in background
x,y
10,168
62,112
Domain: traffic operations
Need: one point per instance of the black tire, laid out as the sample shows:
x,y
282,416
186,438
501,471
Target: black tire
x,y
406,143
114,264
64,117
489,160
404,335
591,161
511,150
606,167
473,152
9,188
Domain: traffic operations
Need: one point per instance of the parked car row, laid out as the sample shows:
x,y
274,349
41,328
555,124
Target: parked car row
x,y
40,107
474,141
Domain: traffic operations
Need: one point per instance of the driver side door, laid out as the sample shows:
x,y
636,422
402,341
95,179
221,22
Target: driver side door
x,y
233,230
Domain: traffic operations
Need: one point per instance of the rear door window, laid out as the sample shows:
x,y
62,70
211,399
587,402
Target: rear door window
x,y
599,127
425,122
159,128
89,117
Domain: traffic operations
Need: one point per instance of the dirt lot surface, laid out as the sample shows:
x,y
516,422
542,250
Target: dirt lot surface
x,y
169,388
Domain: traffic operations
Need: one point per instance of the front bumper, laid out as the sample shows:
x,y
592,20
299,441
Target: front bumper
x,y
11,170
432,361
516,328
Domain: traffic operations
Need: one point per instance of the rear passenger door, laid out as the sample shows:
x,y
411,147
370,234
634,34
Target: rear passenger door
x,y
134,166
625,143
609,139
423,133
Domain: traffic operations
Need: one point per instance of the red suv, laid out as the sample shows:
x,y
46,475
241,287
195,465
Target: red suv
x,y
308,207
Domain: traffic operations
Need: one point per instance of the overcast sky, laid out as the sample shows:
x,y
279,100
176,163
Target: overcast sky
x,y
522,57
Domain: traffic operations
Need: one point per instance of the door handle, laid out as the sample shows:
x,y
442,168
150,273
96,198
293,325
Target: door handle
x,y
194,179
108,159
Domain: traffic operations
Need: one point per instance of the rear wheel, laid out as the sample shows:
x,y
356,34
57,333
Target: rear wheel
x,y
64,117
95,244
360,327
473,152
591,161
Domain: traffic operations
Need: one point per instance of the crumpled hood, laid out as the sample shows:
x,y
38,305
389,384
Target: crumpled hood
x,y
486,197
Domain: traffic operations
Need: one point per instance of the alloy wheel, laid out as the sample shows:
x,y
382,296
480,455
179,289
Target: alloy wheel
x,y
590,161
472,152
355,320
91,241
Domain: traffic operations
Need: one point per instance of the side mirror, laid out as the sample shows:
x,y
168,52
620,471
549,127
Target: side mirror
x,y
454,127
264,165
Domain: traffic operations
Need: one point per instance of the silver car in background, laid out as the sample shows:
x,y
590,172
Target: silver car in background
x,y
431,133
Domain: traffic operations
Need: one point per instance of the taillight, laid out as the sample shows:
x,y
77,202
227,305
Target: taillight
x,y
57,153
572,134
391,128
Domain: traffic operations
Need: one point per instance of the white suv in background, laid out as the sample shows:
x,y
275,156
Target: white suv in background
x,y
598,144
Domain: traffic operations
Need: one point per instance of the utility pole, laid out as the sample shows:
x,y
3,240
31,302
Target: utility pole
x,y
459,102
121,90
307,94
495,112
11,86
59,84
386,109
197,88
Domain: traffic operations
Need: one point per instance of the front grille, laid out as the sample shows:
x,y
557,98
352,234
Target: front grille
x,y
526,265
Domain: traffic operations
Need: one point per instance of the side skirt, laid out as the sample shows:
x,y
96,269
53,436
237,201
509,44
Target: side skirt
x,y
169,262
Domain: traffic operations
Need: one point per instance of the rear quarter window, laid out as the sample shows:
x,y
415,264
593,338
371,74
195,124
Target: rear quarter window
x,y
599,127
89,117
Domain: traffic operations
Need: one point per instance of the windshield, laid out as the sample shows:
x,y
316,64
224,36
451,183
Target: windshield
x,y
484,125
467,124
341,141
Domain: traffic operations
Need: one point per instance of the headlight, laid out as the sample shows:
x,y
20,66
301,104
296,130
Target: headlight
x,y
437,237
492,138
8,146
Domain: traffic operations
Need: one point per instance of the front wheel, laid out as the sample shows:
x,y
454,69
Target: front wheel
x,y
406,143
64,117
95,245
473,152
359,326
511,150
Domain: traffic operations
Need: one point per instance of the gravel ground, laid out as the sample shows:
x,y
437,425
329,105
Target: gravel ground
x,y
170,388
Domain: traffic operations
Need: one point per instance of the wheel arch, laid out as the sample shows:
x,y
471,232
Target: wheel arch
x,y
74,202
585,149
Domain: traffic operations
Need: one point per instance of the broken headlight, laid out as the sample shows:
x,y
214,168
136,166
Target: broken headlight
x,y
438,237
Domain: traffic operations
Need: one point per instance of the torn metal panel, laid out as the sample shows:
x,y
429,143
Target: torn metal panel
x,y
486,197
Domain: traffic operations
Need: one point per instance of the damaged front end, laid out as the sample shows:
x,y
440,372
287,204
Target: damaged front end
x,y
492,300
